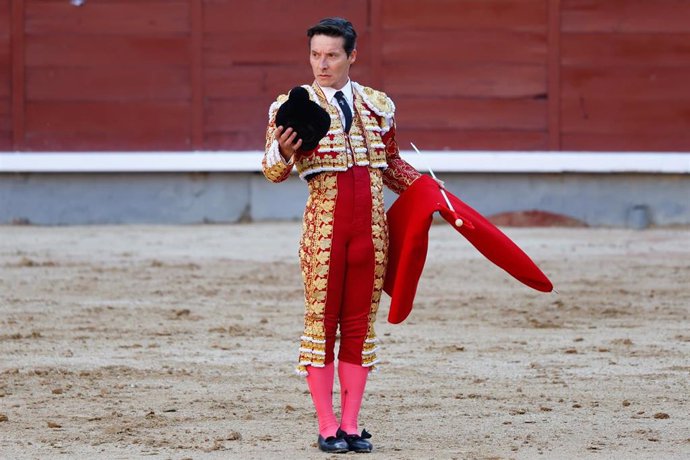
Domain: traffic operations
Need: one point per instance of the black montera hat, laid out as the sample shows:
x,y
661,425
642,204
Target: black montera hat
x,y
307,118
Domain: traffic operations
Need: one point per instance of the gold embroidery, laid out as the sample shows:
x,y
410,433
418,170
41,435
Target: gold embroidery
x,y
400,174
314,254
381,104
379,235
372,140
373,118
331,154
279,171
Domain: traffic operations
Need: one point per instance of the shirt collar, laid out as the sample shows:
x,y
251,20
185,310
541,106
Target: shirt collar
x,y
329,92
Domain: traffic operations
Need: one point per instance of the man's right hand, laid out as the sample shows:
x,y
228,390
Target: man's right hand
x,y
286,140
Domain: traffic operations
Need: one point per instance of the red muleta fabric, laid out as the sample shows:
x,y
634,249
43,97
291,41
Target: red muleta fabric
x,y
409,220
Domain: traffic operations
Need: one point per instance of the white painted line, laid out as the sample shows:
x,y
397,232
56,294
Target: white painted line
x,y
60,162
554,162
439,161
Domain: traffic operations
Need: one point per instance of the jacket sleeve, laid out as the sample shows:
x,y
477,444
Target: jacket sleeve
x,y
400,174
273,165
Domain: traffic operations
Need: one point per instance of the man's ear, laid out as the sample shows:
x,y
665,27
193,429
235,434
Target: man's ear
x,y
353,56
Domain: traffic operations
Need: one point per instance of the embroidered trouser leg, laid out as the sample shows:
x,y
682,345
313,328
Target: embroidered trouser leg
x,y
343,257
352,264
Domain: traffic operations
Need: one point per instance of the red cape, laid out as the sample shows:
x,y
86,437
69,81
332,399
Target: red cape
x,y
409,220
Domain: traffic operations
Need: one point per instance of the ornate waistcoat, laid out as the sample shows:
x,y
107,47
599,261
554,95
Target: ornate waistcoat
x,y
372,118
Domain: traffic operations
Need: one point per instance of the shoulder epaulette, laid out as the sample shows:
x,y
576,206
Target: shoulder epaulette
x,y
377,101
273,109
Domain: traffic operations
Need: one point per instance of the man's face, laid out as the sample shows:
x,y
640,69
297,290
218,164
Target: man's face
x,y
329,62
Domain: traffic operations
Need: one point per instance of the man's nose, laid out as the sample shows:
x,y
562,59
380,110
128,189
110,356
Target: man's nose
x,y
323,63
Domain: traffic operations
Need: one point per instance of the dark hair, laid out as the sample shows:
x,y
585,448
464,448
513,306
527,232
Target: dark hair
x,y
336,27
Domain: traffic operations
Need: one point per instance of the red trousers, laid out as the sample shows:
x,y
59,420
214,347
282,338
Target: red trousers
x,y
351,270
343,260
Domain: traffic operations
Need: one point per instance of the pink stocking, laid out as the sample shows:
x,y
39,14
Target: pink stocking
x,y
320,381
353,379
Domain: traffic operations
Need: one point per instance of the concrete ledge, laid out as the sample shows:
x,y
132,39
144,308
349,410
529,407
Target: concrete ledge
x,y
609,200
439,161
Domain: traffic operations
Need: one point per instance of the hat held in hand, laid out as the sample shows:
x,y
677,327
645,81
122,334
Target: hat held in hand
x,y
307,118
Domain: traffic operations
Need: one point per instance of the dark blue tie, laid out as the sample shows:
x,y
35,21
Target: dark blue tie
x,y
346,110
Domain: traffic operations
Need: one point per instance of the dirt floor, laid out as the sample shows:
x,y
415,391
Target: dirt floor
x,y
179,342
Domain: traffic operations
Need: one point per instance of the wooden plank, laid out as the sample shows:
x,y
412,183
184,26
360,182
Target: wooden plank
x,y
626,16
462,113
143,17
598,115
222,50
18,68
603,49
5,47
423,47
65,51
630,142
5,75
554,74
197,73
632,83
5,114
250,139
285,17
469,80
5,81
107,83
5,141
255,80
107,141
235,81
110,119
376,42
257,47
460,139
5,55
523,15
5,24
227,115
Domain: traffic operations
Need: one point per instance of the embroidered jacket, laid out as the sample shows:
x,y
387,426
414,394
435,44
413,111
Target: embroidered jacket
x,y
371,137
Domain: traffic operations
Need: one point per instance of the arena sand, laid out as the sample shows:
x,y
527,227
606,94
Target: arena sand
x,y
179,342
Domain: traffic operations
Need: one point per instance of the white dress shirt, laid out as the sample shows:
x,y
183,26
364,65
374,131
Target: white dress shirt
x,y
329,92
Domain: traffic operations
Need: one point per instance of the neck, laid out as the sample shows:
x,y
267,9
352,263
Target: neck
x,y
339,86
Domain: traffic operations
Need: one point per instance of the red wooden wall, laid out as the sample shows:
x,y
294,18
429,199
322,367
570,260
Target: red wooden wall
x,y
5,76
465,74
253,52
625,74
107,75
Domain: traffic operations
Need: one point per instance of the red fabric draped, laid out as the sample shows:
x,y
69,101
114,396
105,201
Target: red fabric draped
x,y
409,220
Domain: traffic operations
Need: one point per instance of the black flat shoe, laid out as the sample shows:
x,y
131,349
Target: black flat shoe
x,y
334,445
356,442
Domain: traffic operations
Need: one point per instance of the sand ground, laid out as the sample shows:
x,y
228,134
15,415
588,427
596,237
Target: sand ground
x,y
179,342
